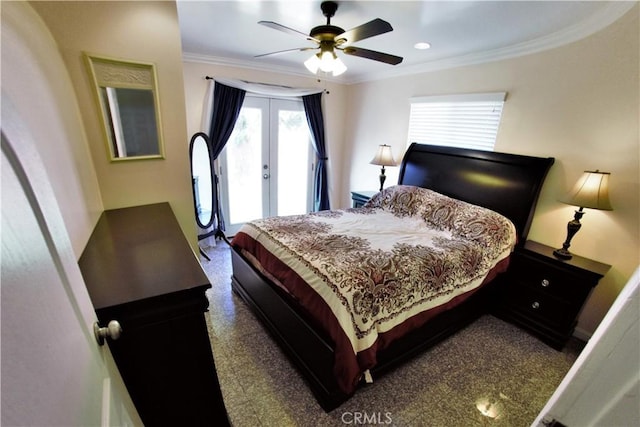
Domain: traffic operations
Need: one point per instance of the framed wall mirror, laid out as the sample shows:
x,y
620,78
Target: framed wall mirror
x,y
127,96
202,179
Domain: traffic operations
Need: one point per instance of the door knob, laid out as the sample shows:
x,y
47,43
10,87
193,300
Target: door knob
x,y
113,331
265,176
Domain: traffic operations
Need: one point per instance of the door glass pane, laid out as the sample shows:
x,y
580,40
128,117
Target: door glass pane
x,y
293,162
244,167
266,166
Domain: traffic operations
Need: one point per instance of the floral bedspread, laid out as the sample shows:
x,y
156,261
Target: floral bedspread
x,y
371,269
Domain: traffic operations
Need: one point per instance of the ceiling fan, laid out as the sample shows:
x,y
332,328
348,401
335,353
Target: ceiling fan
x,y
329,38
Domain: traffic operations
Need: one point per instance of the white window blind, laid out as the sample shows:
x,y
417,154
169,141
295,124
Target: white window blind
x,y
466,121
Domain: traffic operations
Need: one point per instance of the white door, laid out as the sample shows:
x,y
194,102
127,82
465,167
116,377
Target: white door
x,y
267,164
53,371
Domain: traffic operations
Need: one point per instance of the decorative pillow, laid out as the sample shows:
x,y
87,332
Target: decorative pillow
x,y
402,200
441,212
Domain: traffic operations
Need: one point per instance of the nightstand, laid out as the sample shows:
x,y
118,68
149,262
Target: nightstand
x,y
359,198
544,294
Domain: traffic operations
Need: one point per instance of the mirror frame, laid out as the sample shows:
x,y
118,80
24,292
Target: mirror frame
x,y
193,188
123,74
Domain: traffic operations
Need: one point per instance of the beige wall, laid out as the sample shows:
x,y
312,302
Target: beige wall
x,y
578,103
146,32
333,104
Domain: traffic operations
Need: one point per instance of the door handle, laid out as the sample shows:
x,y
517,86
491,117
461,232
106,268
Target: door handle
x,y
113,331
265,176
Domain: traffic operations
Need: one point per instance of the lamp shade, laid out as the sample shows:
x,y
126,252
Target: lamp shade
x,y
383,156
338,67
591,191
313,63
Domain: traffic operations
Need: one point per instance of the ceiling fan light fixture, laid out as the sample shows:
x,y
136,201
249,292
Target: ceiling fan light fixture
x,y
330,37
338,67
326,61
313,63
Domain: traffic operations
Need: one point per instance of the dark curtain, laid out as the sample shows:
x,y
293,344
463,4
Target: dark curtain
x,y
227,102
313,110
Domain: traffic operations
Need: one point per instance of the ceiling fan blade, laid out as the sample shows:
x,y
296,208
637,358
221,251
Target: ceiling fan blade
x,y
372,54
364,31
299,49
285,29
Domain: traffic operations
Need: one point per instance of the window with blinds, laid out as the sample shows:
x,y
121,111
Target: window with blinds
x,y
465,121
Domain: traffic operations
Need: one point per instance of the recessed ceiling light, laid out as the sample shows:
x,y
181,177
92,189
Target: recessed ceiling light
x,y
422,45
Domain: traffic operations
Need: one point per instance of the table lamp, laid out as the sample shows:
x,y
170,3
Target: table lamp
x,y
383,158
591,191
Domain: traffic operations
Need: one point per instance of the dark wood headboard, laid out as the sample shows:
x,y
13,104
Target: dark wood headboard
x,y
506,183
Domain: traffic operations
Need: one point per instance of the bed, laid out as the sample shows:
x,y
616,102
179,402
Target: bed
x,y
340,340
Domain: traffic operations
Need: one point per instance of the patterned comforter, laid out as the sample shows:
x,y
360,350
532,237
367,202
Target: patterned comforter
x,y
369,275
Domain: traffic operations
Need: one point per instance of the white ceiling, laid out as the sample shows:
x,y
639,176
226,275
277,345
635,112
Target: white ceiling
x,y
460,32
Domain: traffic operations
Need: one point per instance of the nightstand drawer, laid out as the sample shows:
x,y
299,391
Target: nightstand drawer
x,y
540,306
550,279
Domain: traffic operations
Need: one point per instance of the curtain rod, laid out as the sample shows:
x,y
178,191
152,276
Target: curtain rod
x,y
247,81
266,84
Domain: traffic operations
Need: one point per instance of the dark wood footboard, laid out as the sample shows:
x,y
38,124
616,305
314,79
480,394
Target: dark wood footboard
x,y
312,354
309,352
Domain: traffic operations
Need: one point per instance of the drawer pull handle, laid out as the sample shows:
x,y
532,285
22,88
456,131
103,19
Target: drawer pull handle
x,y
545,283
535,305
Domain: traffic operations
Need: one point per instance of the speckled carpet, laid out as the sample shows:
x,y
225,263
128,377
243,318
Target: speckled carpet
x,y
489,374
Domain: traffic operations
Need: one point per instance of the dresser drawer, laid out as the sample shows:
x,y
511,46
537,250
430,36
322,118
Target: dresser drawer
x,y
549,279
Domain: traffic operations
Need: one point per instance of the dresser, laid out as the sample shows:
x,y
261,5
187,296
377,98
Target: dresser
x,y
141,271
544,294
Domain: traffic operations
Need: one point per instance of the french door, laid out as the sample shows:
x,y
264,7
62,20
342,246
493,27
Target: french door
x,y
266,167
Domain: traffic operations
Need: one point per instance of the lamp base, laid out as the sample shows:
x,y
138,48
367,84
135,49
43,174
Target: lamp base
x,y
572,228
562,254
382,178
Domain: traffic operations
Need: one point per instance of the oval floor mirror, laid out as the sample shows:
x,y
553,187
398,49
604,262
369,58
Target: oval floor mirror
x,y
202,180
